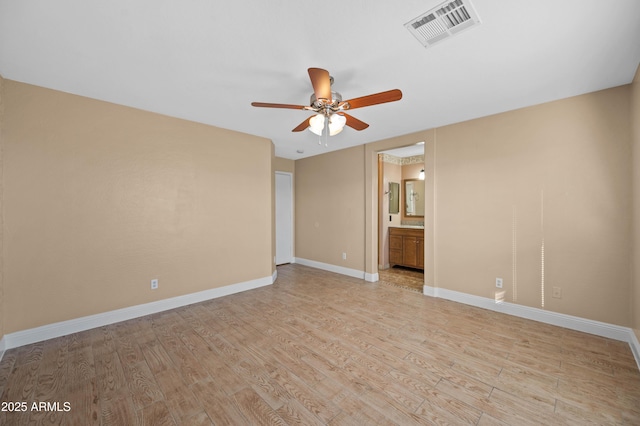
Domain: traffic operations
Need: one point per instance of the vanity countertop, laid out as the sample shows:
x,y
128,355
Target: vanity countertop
x,y
408,226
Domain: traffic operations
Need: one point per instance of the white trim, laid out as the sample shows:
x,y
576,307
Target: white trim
x,y
331,268
372,278
616,332
50,331
2,347
635,347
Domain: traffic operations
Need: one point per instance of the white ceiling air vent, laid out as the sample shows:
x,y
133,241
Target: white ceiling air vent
x,y
443,21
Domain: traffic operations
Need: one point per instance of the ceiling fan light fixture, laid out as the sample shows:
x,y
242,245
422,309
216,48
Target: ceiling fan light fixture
x,y
336,124
316,124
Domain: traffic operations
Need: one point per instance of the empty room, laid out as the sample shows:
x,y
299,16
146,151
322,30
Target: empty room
x,y
295,212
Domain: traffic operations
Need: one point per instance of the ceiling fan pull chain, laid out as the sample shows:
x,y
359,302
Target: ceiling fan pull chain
x,y
326,129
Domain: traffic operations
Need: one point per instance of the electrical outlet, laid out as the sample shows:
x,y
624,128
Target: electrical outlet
x,y
556,293
154,284
344,256
498,282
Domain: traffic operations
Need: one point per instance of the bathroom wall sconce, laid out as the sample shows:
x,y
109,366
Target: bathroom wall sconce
x,y
421,175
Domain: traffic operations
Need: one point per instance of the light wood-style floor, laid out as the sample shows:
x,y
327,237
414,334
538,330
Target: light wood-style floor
x,y
321,348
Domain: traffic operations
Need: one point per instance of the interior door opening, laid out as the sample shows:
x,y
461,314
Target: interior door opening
x,y
284,218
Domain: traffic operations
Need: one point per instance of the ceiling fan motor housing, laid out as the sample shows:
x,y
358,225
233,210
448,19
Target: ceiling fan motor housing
x,y
336,98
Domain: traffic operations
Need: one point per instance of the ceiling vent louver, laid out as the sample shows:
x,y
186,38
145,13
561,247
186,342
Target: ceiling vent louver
x,y
443,21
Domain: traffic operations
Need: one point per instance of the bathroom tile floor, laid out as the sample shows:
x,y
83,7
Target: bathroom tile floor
x,y
409,278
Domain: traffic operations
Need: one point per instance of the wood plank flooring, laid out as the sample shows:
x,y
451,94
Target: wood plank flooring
x,y
317,348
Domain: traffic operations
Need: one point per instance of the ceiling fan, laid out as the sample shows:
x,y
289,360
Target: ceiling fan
x,y
329,108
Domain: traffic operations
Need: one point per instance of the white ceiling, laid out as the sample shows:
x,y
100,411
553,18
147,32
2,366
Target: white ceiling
x,y
207,60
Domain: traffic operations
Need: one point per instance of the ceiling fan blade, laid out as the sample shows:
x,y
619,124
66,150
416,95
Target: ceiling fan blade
x,y
354,122
375,99
321,82
302,126
269,105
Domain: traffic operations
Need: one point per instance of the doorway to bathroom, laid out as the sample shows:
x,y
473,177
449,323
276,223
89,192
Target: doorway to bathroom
x,y
401,217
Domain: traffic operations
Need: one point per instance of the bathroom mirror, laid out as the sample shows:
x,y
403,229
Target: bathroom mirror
x,y
394,197
414,197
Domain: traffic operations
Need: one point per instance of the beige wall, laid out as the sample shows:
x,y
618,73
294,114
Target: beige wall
x,y
635,131
550,180
99,199
329,206
284,165
499,187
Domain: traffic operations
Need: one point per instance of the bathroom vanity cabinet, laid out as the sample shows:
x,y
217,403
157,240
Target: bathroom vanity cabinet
x,y
406,247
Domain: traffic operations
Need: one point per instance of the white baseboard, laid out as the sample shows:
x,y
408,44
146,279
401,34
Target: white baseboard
x,y
63,328
372,278
635,347
2,347
331,268
616,332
